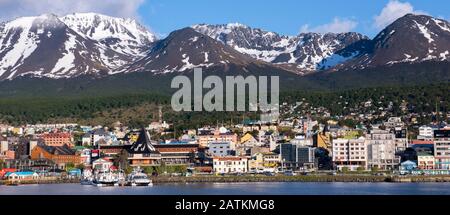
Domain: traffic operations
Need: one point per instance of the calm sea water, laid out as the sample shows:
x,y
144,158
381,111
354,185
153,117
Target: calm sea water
x,y
263,188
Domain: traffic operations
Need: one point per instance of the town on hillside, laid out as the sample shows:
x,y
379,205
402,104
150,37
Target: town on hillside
x,y
288,146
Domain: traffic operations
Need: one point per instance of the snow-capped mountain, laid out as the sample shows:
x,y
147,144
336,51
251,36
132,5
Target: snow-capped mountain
x,y
45,46
410,39
125,36
308,51
94,44
186,49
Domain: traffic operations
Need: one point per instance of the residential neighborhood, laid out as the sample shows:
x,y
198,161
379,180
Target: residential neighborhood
x,y
286,146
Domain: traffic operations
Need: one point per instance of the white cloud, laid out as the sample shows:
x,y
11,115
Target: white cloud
x,y
392,11
338,25
10,9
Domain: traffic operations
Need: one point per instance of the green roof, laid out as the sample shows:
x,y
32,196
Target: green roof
x,y
424,154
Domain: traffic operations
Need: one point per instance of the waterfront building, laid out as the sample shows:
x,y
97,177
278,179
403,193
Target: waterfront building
x,y
442,149
21,176
6,170
350,153
230,164
294,156
381,150
425,160
143,152
60,155
57,139
111,151
407,167
264,162
180,153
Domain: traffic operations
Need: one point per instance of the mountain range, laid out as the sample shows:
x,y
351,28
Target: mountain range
x,y
89,46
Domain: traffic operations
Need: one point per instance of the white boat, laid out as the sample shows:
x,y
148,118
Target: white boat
x,y
105,178
87,177
138,178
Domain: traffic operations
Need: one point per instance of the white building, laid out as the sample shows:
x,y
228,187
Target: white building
x,y
301,140
442,149
102,164
157,126
381,150
3,145
230,164
350,153
425,132
394,122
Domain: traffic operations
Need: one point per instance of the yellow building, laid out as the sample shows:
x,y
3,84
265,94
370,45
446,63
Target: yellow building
x,y
322,141
264,161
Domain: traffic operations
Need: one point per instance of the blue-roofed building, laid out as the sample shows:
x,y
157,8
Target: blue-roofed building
x,y
407,167
28,175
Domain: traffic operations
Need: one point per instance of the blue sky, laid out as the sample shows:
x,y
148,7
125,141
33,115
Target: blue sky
x,y
288,17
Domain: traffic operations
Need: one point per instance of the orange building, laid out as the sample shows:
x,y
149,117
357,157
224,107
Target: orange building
x,y
61,155
57,139
216,136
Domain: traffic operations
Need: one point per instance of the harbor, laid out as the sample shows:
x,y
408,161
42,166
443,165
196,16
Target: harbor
x,y
242,188
143,180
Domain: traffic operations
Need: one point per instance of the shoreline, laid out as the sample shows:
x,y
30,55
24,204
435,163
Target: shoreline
x,y
238,179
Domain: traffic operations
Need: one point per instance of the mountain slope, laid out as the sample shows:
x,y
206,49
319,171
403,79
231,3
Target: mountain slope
x,y
186,49
410,39
124,36
44,46
307,51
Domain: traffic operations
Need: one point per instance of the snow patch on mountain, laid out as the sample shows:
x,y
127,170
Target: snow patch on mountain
x,y
424,30
125,36
20,50
65,63
307,50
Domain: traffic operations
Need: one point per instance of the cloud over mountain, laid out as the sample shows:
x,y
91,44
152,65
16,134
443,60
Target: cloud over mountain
x,y
392,11
10,9
338,25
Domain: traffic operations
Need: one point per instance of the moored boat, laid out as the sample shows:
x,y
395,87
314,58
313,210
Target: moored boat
x,y
138,178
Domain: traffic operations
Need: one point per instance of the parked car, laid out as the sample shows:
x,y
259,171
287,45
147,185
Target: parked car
x,y
289,173
269,173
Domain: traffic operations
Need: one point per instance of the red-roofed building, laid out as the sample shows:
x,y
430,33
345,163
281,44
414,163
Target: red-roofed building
x,y
422,142
6,170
